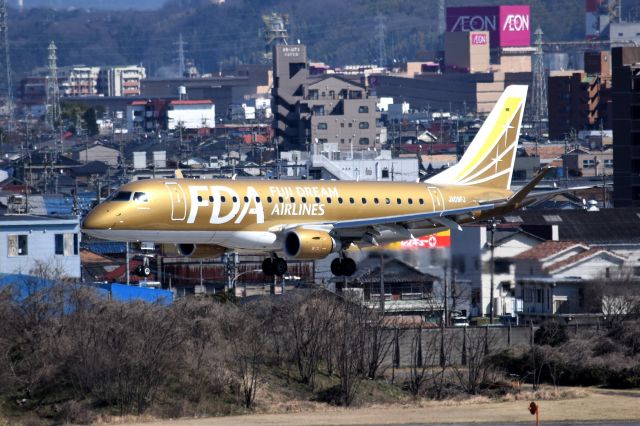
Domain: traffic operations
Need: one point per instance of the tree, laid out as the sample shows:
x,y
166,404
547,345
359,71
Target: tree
x,y
90,121
616,295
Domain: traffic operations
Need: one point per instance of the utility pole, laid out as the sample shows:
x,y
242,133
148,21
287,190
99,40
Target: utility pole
x,y
445,296
381,29
381,283
493,225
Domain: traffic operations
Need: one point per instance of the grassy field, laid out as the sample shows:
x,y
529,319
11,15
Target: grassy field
x,y
572,404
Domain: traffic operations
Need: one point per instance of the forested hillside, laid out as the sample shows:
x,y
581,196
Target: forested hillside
x,y
336,31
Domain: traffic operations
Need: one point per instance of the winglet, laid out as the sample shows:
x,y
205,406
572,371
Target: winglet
x,y
178,174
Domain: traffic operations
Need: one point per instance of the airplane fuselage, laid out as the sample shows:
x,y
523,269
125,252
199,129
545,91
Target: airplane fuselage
x,y
248,214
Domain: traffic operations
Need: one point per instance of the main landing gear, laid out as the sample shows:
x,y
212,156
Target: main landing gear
x,y
274,266
343,266
144,270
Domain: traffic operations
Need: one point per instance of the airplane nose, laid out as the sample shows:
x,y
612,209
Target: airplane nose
x,y
98,218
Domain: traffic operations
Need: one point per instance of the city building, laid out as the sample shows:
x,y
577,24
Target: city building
x,y
471,258
467,51
78,80
584,162
121,81
551,277
626,134
508,25
194,114
30,242
320,109
580,100
97,152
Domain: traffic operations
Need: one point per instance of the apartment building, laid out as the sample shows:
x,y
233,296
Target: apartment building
x,y
320,109
121,81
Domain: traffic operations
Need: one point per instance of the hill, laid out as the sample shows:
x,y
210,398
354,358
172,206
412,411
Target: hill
x,y
336,31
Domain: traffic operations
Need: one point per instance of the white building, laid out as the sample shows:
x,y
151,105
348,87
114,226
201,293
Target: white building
x,y
196,114
471,260
78,80
121,81
551,276
27,241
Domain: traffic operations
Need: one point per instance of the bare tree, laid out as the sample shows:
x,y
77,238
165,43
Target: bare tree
x,y
478,369
616,295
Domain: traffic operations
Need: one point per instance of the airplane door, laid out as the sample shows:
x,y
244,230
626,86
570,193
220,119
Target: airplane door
x,y
436,198
178,201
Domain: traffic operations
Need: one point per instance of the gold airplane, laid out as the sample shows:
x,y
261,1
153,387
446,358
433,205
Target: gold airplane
x,y
312,219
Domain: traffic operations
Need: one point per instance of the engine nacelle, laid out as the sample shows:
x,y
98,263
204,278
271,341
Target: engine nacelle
x,y
205,251
309,244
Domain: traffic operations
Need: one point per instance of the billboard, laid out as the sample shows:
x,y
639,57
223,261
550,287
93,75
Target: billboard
x,y
508,26
438,240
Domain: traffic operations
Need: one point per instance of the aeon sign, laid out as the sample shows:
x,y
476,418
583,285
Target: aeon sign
x,y
508,26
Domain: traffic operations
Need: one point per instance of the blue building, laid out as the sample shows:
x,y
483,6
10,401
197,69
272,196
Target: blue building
x,y
28,240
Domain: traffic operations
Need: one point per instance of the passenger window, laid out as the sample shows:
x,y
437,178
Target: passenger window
x,y
304,200
141,197
410,200
317,199
387,200
269,200
199,198
122,196
223,199
399,200
375,201
340,200
280,199
351,200
246,199
328,200
211,198
235,199
364,200
257,199
293,200
421,201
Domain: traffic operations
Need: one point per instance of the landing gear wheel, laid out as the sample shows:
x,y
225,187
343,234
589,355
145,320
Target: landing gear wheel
x,y
348,267
267,266
146,271
279,266
343,267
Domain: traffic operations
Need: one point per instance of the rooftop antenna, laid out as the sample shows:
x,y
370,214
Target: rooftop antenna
x,y
274,33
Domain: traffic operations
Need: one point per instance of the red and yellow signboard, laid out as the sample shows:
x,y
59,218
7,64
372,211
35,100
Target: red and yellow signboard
x,y
439,240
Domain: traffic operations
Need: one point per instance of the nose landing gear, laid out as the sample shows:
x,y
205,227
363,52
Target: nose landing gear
x,y
274,266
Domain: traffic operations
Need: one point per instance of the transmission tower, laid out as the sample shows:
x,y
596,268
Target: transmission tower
x,y
181,60
442,23
539,84
381,30
6,89
53,89
275,33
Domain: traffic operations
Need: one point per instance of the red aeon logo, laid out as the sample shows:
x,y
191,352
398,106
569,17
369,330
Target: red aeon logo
x,y
479,39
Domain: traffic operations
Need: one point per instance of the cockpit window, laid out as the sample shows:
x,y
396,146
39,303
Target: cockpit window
x,y
141,197
122,196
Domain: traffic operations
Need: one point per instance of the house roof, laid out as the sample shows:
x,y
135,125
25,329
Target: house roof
x,y
193,102
593,251
548,248
395,271
606,226
91,168
89,257
337,77
138,103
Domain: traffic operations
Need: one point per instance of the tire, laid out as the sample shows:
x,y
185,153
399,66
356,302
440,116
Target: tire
x,y
348,267
267,266
146,271
280,267
336,267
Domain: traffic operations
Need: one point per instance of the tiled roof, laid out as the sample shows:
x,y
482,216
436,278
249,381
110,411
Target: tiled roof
x,y
548,248
576,258
87,256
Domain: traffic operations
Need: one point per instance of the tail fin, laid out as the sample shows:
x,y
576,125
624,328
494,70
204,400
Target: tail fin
x,y
489,160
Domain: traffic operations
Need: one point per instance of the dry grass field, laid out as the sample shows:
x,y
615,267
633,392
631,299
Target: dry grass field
x,y
569,404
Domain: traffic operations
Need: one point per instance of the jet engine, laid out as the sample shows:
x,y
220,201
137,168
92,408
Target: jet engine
x,y
309,244
206,251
